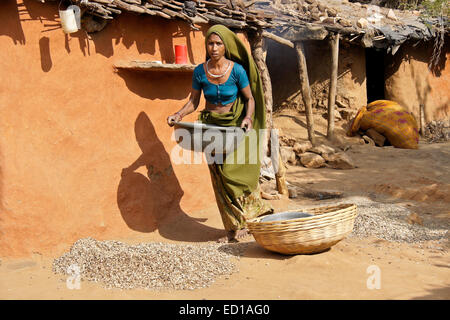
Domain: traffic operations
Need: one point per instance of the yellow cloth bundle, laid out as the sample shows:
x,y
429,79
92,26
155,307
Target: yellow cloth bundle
x,y
389,119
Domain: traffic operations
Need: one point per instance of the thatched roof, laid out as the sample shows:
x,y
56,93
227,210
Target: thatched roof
x,y
369,25
293,20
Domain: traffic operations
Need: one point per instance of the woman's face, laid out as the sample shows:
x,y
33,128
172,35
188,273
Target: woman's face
x,y
215,46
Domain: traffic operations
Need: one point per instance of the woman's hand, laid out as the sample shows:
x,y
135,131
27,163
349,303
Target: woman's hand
x,y
176,117
247,123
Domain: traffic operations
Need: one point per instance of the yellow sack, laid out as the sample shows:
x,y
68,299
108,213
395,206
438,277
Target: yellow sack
x,y
389,119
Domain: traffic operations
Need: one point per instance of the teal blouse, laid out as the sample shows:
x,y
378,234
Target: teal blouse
x,y
220,94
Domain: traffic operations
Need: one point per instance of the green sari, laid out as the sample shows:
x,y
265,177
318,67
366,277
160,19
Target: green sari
x,y
236,186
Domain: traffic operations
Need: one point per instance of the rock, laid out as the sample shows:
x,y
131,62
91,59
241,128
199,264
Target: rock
x,y
340,160
414,218
312,160
332,12
345,23
329,20
337,115
368,140
347,114
362,23
322,149
315,16
310,1
292,192
327,156
391,14
378,138
288,155
321,7
341,104
302,147
314,9
375,18
286,141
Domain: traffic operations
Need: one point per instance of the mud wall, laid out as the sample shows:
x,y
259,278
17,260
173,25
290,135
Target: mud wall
x,y
84,150
283,68
410,82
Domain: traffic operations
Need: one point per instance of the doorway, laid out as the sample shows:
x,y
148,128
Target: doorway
x,y
375,60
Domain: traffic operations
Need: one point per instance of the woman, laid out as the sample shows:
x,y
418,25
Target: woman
x,y
234,97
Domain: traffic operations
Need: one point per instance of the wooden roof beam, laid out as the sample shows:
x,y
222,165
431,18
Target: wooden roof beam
x,y
278,39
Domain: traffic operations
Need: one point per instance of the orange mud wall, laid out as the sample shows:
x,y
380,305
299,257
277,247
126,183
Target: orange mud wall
x,y
410,82
70,125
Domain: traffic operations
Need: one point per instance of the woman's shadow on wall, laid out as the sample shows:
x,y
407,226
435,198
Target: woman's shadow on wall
x,y
152,202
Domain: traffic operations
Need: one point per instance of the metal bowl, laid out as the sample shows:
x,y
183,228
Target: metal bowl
x,y
201,137
281,216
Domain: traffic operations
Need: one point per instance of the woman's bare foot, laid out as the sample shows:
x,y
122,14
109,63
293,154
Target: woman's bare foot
x,y
241,233
269,196
234,235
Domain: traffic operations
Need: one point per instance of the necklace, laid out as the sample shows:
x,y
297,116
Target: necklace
x,y
217,75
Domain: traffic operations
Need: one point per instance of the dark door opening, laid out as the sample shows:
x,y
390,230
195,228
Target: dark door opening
x,y
375,74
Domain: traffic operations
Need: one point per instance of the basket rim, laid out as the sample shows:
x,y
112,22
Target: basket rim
x,y
339,208
295,227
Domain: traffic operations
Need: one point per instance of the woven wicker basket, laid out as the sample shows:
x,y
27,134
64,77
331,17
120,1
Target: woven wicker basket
x,y
325,228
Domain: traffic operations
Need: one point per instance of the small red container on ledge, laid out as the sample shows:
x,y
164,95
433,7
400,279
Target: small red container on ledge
x,y
180,54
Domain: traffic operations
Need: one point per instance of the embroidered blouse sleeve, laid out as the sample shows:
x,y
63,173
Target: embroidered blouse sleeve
x,y
242,78
196,78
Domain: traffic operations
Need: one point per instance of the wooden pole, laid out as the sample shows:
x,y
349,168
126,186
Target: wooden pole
x,y
422,119
278,164
306,90
259,53
334,43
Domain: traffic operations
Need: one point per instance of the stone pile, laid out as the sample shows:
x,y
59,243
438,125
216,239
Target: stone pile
x,y
315,12
309,156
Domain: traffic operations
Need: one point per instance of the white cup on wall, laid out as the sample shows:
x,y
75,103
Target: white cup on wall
x,y
70,19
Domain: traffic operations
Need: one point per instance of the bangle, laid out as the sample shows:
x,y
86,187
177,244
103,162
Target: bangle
x,y
248,119
179,114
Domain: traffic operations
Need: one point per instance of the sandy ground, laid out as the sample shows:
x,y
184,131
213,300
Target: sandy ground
x,y
419,179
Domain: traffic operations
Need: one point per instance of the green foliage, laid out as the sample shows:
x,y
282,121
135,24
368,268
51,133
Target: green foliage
x,y
436,8
428,8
